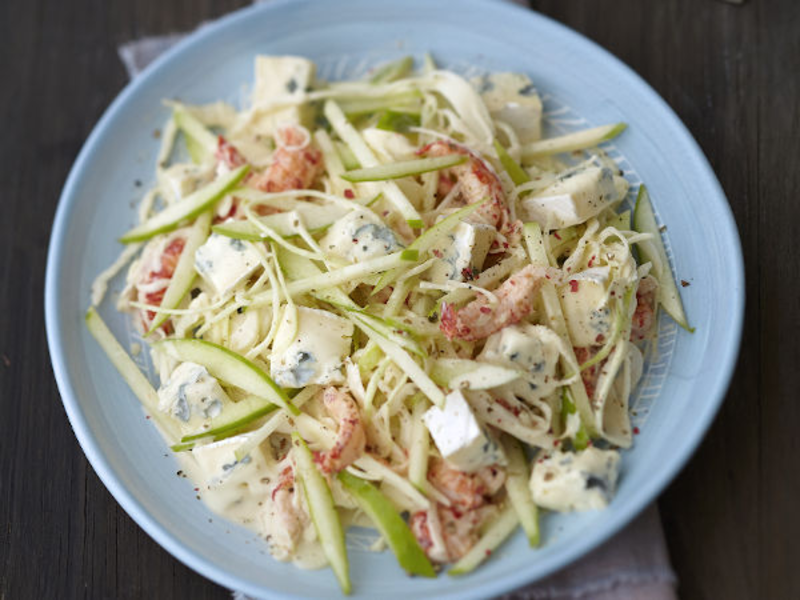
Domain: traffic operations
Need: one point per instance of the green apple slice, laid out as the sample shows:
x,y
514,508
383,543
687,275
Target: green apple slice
x,y
581,438
391,525
497,532
228,366
184,275
398,121
644,220
234,416
580,140
191,206
517,173
200,142
323,512
404,168
135,379
519,492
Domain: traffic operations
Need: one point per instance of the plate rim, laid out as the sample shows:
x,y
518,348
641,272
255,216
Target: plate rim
x,y
603,531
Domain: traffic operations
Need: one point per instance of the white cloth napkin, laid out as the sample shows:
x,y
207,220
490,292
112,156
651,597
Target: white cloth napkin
x,y
634,565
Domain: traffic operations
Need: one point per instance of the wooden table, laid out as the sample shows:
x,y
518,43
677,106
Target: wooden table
x,y
732,73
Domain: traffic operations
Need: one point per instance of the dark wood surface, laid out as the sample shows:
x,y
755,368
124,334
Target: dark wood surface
x,y
732,73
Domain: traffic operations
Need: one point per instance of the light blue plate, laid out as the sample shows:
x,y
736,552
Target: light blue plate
x,y
579,80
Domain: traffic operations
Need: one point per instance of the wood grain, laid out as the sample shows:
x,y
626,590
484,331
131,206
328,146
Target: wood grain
x,y
731,72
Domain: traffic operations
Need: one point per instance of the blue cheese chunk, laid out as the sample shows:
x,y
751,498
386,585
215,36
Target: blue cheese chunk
x,y
191,396
276,78
585,302
459,436
512,99
228,484
576,196
310,349
225,262
180,180
461,252
565,481
534,349
358,236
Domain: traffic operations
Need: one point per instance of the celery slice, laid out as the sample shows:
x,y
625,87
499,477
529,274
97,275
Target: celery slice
x,y
517,173
644,219
230,367
169,218
404,168
391,525
184,275
323,513
519,492
580,140
499,530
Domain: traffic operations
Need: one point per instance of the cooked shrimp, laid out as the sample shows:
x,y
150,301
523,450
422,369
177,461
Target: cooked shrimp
x,y
350,439
283,515
466,491
480,319
644,317
156,268
476,179
295,164
228,155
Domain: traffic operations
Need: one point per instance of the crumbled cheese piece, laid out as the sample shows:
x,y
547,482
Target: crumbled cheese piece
x,y
460,437
191,396
359,235
461,252
280,77
225,262
576,196
310,349
512,99
531,348
228,483
585,302
583,480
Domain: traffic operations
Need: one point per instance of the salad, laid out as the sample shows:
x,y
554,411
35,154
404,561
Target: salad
x,y
390,303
